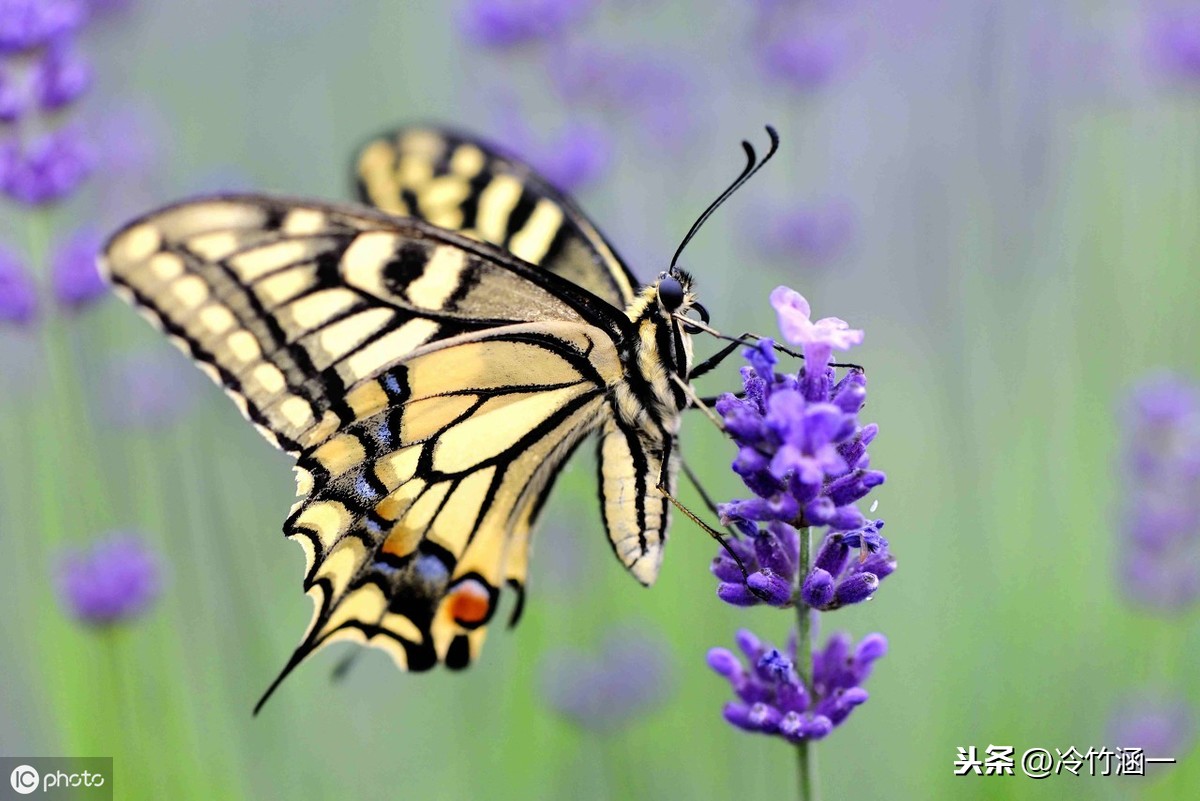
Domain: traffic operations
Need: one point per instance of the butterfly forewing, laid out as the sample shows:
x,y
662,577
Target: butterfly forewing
x,y
460,184
288,304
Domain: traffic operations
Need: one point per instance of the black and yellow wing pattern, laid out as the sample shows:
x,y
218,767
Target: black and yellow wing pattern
x,y
430,385
459,183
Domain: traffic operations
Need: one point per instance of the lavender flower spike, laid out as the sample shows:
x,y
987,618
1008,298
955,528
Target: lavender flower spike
x,y
802,453
630,677
116,579
1160,565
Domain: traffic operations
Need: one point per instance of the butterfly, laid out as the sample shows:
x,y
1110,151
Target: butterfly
x,y
431,358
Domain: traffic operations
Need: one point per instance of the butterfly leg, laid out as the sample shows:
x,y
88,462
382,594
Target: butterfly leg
x,y
697,403
748,338
712,532
710,400
713,361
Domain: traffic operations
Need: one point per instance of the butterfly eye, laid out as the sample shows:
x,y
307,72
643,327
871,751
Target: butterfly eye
x,y
670,293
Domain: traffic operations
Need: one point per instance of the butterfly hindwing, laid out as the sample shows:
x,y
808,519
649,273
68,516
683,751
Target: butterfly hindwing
x,y
462,184
418,513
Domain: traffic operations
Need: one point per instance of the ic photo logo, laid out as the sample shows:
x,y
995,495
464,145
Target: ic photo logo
x,y
24,779
55,778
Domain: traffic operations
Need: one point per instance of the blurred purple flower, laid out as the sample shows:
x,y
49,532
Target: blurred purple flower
x,y
576,156
505,23
26,24
651,91
1173,41
76,279
61,77
13,102
18,298
807,45
771,698
629,677
806,60
114,579
49,169
147,389
816,232
1161,726
1160,566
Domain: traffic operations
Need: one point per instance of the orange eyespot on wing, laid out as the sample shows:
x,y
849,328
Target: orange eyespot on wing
x,y
470,603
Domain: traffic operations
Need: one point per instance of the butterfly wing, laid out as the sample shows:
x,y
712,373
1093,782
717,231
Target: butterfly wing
x,y
459,183
429,385
289,304
418,513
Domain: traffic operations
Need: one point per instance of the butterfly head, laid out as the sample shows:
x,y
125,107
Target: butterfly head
x,y
673,291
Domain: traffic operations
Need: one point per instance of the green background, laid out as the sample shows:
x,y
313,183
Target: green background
x,y
1028,212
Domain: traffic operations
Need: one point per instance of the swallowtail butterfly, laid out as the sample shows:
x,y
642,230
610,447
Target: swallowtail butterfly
x,y
430,358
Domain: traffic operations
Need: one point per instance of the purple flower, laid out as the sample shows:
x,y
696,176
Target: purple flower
x,y
818,339
650,91
117,578
148,389
630,676
18,298
837,580
772,700
1173,42
577,156
76,279
807,60
61,77
817,232
808,45
26,24
49,169
1160,565
505,23
802,452
1161,725
770,555
12,97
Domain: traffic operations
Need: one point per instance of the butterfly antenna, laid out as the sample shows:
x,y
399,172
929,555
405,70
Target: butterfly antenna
x,y
752,166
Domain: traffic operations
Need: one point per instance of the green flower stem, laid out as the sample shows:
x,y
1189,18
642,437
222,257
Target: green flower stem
x,y
805,754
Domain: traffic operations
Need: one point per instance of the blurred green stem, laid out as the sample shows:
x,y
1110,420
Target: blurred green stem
x,y
805,756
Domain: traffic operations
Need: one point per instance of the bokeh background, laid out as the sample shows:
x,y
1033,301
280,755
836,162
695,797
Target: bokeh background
x,y
1004,195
